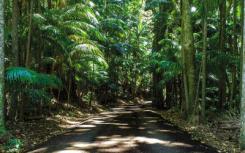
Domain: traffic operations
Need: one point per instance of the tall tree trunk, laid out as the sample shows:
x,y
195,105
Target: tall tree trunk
x,y
188,54
241,52
39,49
222,78
15,36
69,89
242,131
28,48
242,93
204,59
160,27
2,127
235,51
15,54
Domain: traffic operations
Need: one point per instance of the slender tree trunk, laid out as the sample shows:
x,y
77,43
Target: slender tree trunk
x,y
183,97
15,53
175,86
2,127
241,52
20,111
28,48
242,138
235,51
40,49
90,99
242,131
188,54
69,89
15,36
204,60
222,81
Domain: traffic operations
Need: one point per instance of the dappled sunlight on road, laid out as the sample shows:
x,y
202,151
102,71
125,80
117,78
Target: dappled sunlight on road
x,y
119,143
125,129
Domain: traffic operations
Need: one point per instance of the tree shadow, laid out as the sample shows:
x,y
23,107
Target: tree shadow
x,y
128,129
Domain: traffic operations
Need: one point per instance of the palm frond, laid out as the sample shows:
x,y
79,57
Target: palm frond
x,y
38,18
20,75
87,49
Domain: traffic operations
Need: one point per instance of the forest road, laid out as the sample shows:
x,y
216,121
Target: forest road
x,y
126,129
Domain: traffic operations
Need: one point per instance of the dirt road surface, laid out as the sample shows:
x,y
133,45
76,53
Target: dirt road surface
x,y
126,129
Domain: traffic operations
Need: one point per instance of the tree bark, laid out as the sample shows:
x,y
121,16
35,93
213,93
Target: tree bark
x,y
235,52
242,131
28,48
222,81
188,54
204,60
2,127
15,53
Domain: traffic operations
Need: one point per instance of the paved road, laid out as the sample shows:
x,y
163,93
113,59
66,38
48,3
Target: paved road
x,y
127,129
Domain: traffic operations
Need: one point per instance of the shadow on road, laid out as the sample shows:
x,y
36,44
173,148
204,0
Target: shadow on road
x,y
127,129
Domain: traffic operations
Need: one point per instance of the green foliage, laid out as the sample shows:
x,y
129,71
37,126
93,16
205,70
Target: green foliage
x,y
167,60
113,24
75,33
24,76
30,84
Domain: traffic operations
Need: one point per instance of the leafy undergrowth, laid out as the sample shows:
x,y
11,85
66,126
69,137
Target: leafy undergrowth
x,y
212,133
23,136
